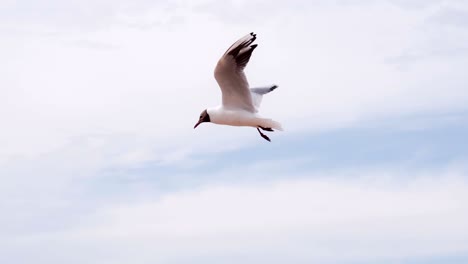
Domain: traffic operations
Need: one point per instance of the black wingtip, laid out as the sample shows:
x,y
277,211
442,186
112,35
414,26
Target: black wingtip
x,y
254,36
273,87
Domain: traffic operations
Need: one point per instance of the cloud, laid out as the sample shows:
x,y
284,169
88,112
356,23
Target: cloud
x,y
124,80
77,15
98,101
307,220
452,16
416,4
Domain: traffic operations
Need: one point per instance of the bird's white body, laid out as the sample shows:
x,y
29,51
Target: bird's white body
x,y
238,117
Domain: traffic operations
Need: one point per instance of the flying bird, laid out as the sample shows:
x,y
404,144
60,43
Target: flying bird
x,y
240,103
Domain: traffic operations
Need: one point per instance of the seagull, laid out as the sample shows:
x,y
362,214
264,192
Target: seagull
x,y
240,103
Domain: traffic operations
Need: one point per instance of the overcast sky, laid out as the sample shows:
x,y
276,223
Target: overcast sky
x,y
99,161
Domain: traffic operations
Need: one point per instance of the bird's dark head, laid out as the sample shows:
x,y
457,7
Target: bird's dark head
x,y
204,117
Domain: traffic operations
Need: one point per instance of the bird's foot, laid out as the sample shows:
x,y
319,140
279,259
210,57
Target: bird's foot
x,y
263,135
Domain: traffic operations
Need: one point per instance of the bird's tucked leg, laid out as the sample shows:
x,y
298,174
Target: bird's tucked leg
x,y
263,135
267,129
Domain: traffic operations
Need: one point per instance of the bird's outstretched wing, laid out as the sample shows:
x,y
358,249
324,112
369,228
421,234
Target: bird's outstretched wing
x,y
229,73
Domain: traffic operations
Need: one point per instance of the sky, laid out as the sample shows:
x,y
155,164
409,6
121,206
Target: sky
x,y
99,161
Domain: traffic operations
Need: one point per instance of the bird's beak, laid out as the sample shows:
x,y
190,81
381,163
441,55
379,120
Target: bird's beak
x,y
198,123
